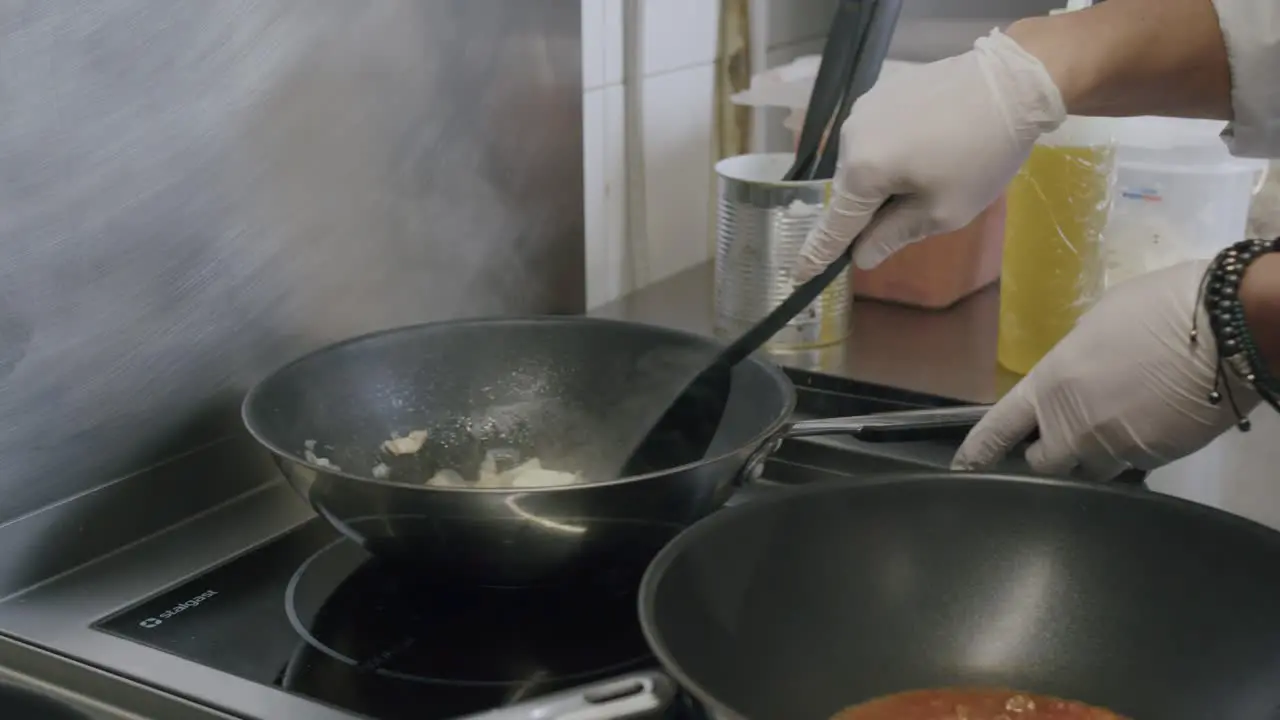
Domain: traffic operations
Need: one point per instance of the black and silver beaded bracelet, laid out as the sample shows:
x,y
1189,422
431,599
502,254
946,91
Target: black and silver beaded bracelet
x,y
1237,351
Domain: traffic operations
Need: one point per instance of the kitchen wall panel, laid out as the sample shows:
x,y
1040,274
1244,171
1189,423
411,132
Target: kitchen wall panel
x,y
194,191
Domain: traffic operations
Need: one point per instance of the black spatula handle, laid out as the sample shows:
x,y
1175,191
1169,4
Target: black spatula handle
x,y
834,75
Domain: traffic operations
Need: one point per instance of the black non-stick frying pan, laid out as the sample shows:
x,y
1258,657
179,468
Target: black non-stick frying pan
x,y
796,606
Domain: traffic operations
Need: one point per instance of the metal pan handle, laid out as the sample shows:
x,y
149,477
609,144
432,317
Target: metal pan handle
x,y
640,695
897,426
947,423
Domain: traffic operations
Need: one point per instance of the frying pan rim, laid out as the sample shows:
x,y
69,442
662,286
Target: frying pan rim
x,y
662,561
246,405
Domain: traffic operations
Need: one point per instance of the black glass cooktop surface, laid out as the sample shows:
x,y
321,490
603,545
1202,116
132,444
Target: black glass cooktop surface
x,y
371,618
316,615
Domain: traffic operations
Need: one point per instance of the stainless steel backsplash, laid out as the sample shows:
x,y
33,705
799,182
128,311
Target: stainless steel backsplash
x,y
193,191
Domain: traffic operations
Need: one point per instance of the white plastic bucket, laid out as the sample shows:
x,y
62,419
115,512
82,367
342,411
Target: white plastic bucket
x,y
1179,195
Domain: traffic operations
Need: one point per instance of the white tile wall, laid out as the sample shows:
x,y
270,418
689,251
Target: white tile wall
x,y
674,114
677,34
604,196
678,118
790,21
593,42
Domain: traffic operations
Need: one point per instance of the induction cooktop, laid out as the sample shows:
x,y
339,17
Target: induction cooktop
x,y
313,614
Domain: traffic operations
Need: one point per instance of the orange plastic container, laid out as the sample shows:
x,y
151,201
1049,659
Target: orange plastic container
x,y
936,272
941,270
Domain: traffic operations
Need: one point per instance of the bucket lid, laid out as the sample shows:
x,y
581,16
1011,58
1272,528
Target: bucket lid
x,y
1082,131
1176,141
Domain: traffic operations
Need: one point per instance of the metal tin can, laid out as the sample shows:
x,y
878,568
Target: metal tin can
x,y
761,224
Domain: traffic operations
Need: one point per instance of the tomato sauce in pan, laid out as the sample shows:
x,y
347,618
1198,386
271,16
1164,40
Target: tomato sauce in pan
x,y
962,704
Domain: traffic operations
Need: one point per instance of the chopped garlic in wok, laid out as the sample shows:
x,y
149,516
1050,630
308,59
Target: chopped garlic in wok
x,y
309,454
407,445
529,474
447,478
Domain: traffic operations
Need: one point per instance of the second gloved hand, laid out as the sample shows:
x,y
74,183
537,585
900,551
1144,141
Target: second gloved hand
x,y
1126,388
944,138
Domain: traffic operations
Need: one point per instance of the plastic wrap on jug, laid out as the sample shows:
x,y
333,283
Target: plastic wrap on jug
x,y
1057,207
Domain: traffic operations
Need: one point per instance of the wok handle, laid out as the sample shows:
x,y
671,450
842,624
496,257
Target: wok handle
x,y
897,426
946,423
641,695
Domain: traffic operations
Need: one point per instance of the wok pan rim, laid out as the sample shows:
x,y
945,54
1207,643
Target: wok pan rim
x,y
662,561
246,405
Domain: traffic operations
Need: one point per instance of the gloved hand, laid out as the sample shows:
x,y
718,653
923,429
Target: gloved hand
x,y
1125,388
945,138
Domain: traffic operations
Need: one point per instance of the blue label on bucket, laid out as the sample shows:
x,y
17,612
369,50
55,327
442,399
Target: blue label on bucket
x,y
1142,194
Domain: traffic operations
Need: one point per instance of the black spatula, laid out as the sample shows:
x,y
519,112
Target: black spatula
x,y
685,431
835,74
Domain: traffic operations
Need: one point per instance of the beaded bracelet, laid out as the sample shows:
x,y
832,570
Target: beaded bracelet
x,y
1220,294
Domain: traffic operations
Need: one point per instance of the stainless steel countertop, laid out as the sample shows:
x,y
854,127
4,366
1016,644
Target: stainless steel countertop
x,y
948,352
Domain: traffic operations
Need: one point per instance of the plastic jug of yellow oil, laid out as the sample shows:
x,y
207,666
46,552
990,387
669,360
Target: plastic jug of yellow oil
x,y
1052,268
1058,203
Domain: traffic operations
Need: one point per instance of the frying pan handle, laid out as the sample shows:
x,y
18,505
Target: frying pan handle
x,y
898,426
640,695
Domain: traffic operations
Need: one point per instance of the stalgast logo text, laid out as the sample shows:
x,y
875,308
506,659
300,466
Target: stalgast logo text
x,y
159,618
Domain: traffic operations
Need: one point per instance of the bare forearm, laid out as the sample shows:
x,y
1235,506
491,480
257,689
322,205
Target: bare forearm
x,y
1135,57
1260,296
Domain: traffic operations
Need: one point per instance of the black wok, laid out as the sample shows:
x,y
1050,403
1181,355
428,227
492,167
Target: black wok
x,y
549,387
794,607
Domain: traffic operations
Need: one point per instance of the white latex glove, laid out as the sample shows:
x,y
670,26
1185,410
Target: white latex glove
x,y
945,138
1126,388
